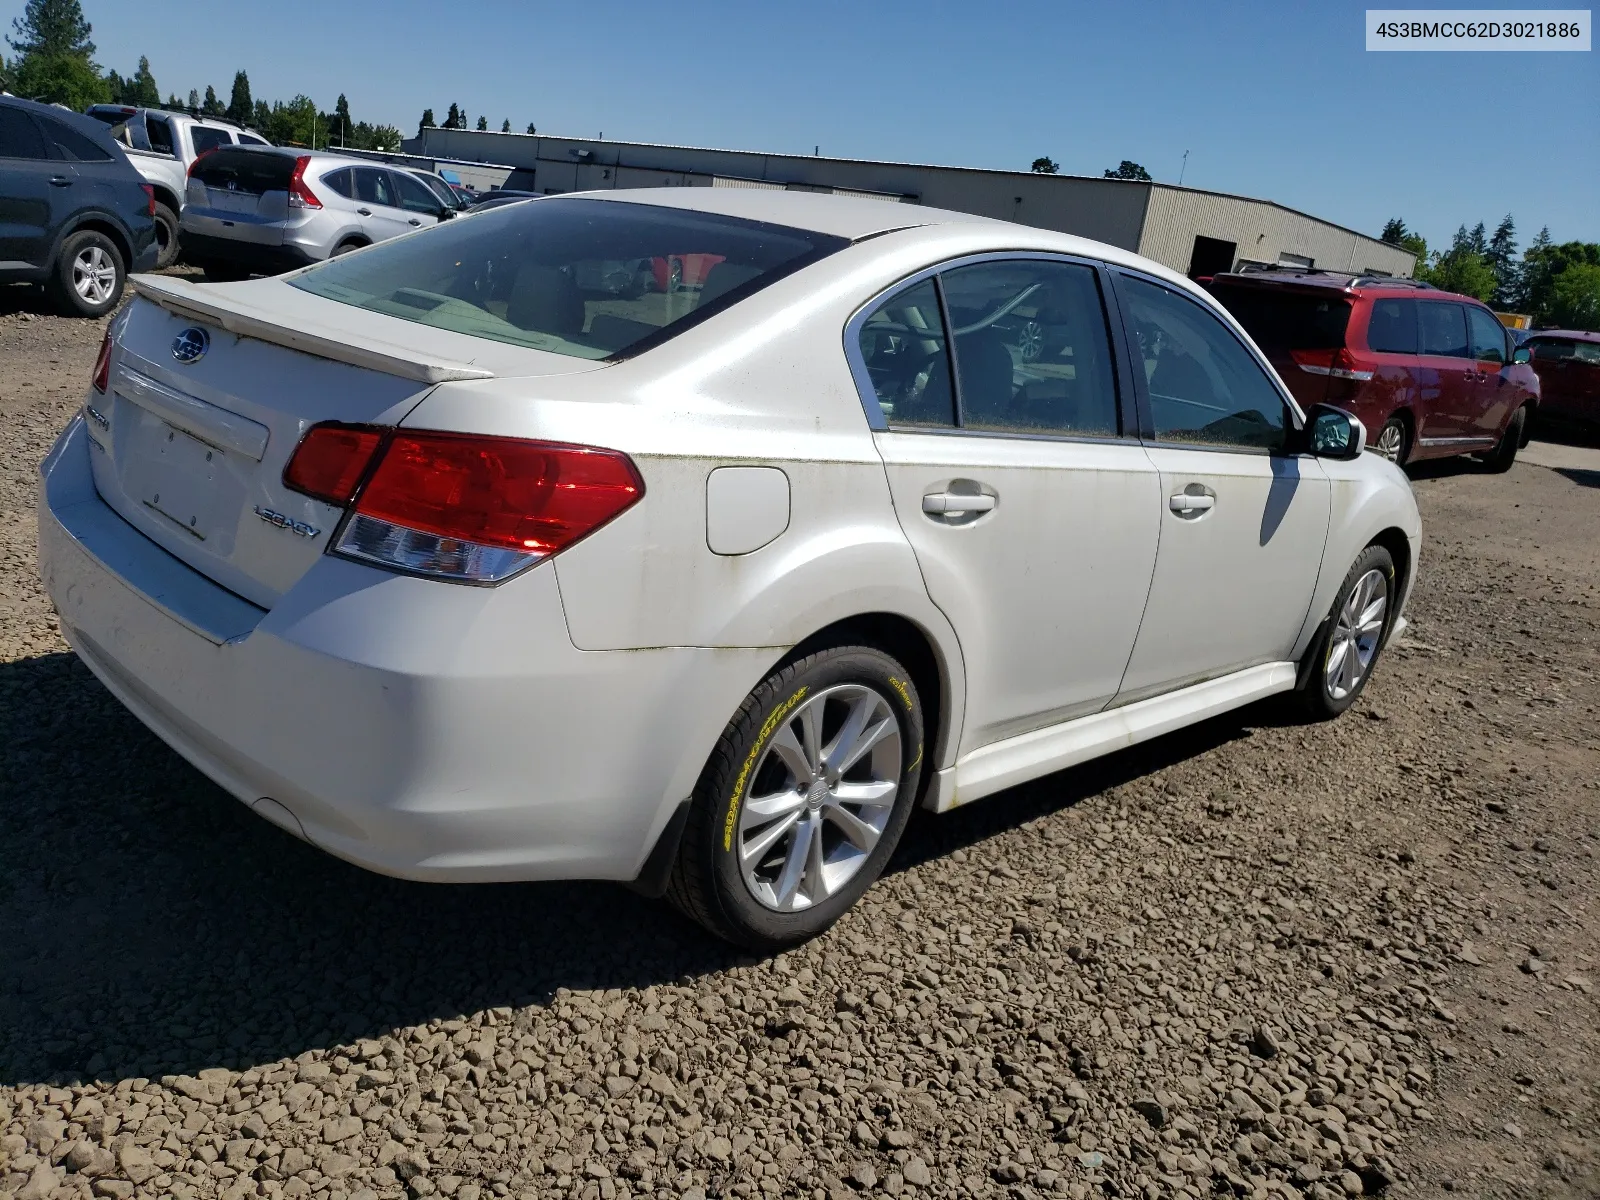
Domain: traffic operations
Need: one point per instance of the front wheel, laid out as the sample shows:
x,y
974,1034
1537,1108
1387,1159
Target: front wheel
x,y
1341,659
1499,459
803,800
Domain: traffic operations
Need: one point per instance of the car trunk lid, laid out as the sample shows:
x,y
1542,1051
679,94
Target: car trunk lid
x,y
1294,326
246,191
210,390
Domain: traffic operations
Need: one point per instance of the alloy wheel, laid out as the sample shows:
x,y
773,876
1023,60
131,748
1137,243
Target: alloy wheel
x,y
820,797
1391,441
94,275
1030,341
1356,634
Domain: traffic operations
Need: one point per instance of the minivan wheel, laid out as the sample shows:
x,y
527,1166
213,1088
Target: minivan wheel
x,y
166,237
88,276
803,800
1391,441
1499,459
1341,659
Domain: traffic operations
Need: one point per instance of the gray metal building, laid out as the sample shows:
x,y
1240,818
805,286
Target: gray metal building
x,y
1200,233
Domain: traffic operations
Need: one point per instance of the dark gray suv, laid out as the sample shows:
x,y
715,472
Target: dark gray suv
x,y
74,215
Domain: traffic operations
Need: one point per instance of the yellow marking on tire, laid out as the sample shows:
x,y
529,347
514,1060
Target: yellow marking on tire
x,y
905,692
768,728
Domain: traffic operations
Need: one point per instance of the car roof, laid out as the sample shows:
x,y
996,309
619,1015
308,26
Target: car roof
x,y
323,157
85,125
850,217
1341,281
1575,335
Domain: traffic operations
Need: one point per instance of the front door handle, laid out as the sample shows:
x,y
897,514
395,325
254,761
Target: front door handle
x,y
413,221
948,503
60,181
1189,504
365,212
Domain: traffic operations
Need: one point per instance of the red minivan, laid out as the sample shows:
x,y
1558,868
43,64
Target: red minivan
x,y
1568,362
1429,373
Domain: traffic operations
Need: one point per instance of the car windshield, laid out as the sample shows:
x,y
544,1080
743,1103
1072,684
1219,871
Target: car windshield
x,y
1281,319
588,278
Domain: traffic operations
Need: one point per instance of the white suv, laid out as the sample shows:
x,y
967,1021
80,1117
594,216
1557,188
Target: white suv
x,y
461,566
265,210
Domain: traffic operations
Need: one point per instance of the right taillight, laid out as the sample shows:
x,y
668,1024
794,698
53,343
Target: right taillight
x,y
300,193
464,507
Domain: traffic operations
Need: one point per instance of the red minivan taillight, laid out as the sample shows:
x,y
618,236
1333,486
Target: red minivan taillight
x,y
1339,364
466,507
101,379
300,193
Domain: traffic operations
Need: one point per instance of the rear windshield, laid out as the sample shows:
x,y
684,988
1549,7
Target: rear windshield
x,y
1280,319
587,278
250,171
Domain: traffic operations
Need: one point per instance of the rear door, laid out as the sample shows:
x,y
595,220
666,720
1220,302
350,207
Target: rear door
x,y
32,188
1033,518
1243,522
239,194
378,204
1446,379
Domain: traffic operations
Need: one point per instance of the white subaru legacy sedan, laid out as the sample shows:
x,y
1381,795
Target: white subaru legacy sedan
x,y
462,563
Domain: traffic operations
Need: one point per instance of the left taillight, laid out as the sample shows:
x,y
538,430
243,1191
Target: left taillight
x,y
300,193
463,507
101,379
1337,364
150,197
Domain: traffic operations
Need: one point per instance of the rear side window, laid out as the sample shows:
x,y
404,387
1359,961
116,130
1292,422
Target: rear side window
x,y
1488,336
1552,351
1281,319
248,171
160,133
246,139
208,139
19,136
903,346
339,181
587,278
1392,328
75,146
1443,327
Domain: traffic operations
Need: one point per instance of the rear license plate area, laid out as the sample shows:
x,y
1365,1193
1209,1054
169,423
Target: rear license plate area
x,y
235,202
177,476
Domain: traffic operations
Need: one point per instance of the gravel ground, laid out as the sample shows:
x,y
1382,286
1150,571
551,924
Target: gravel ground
x,y
1254,958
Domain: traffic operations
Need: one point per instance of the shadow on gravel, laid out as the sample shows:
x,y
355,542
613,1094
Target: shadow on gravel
x,y
150,925
25,298
1580,477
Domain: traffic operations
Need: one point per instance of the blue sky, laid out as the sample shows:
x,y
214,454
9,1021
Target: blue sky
x,y
1276,101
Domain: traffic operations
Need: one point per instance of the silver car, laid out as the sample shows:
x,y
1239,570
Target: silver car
x,y
264,210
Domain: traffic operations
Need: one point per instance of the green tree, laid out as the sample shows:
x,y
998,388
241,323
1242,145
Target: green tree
x,y
1394,232
194,98
1418,245
55,58
141,87
1128,169
531,129
241,109
483,124
385,137
453,118
1575,298
211,106
426,122
1543,267
1045,166
505,126
1502,257
1461,269
1478,239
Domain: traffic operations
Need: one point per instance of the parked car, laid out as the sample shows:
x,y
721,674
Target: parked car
x,y
74,215
162,146
1430,373
442,189
262,210
499,198
461,574
1568,364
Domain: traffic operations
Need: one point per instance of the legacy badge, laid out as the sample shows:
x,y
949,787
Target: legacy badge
x,y
289,523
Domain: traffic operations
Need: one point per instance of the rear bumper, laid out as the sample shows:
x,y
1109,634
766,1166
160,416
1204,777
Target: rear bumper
x,y
419,729
264,260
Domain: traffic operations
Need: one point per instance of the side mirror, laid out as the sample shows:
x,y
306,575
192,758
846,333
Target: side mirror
x,y
1333,433
1521,355
446,214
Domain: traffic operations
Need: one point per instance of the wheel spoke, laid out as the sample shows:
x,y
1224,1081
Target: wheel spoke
x,y
873,793
1372,615
858,737
860,835
816,880
755,849
811,732
794,865
787,747
768,808
1336,656
1351,673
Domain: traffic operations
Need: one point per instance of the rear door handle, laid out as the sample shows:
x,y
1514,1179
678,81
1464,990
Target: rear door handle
x,y
1186,504
957,502
413,221
60,181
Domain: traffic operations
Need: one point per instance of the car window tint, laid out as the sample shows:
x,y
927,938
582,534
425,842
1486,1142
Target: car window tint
x,y
1444,328
208,139
1585,352
160,134
74,146
247,140
1488,336
19,136
1392,328
1551,351
373,187
339,181
414,194
1032,352
903,345
1204,386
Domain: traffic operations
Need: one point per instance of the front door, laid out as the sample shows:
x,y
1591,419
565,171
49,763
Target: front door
x,y
1446,384
29,181
1243,523
1495,395
1033,520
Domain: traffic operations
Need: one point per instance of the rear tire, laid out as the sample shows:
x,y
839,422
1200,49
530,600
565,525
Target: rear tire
x,y
1393,442
1346,650
166,236
780,842
88,276
1499,459
344,248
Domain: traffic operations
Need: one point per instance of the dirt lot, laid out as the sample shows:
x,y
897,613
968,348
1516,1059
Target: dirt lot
x,y
1256,958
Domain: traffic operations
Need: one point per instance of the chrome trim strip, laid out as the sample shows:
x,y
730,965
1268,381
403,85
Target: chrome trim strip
x,y
210,424
1457,441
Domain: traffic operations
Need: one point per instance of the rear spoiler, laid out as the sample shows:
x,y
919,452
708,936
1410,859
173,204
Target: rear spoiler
x,y
197,303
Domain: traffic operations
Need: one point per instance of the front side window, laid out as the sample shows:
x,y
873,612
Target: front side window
x,y
1205,388
1488,336
588,278
1443,327
1392,328
19,136
903,346
414,194
1032,351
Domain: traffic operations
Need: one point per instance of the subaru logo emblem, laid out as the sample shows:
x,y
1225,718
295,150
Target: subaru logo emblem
x,y
191,345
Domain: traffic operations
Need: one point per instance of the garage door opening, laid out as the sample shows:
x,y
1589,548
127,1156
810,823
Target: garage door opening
x,y
1212,256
